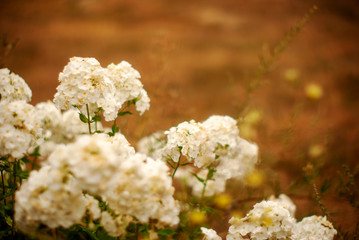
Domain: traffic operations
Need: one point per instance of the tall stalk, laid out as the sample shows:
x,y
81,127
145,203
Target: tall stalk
x,y
88,118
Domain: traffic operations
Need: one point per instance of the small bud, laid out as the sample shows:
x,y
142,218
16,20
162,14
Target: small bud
x,y
197,217
314,91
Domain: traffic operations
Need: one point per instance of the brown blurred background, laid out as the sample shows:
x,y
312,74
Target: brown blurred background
x,y
197,58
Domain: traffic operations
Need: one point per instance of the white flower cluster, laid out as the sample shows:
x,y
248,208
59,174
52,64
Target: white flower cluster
x,y
132,185
286,202
210,234
142,188
213,143
273,220
50,196
13,87
20,130
313,228
84,82
152,145
267,220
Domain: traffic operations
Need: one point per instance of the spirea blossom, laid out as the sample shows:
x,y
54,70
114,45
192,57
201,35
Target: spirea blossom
x,y
313,228
93,160
84,83
142,188
50,117
210,234
286,202
128,86
20,130
152,145
51,197
274,219
13,87
267,220
214,143
189,139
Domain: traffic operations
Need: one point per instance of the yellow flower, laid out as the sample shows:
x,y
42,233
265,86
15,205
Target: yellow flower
x,y
253,117
197,217
316,150
237,214
223,200
314,91
255,179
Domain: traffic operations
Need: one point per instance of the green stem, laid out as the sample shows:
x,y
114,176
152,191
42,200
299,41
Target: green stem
x,y
13,197
208,177
88,118
3,186
15,185
178,164
204,189
33,163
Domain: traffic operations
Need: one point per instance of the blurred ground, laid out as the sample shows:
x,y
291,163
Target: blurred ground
x,y
196,59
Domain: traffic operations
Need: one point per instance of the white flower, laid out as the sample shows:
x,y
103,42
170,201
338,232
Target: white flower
x,y
286,202
51,118
20,130
191,140
92,206
142,188
216,144
50,197
267,220
313,228
115,226
13,87
93,160
210,234
88,86
152,144
128,86
83,81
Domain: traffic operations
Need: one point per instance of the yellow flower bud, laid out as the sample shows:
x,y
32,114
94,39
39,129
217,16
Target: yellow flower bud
x,y
316,150
255,179
197,217
223,200
314,91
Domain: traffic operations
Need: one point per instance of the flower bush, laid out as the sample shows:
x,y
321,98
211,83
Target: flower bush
x,y
66,176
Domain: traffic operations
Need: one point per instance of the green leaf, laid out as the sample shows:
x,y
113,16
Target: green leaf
x,y
115,129
143,229
6,195
134,101
124,113
325,187
210,173
83,118
8,220
184,164
25,160
24,174
36,152
96,118
198,178
166,232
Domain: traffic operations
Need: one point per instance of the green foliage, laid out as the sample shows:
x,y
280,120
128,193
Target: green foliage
x,y
83,118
